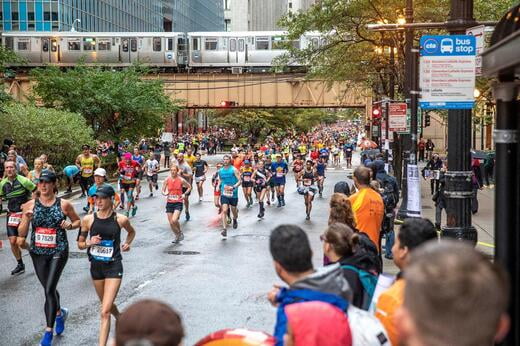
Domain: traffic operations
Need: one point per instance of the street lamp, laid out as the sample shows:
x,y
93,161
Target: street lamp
x,y
73,29
476,93
401,20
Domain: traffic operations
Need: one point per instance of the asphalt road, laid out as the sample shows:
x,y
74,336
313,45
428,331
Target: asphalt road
x,y
213,283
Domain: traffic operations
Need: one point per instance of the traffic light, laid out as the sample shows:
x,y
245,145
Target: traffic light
x,y
376,112
228,104
427,120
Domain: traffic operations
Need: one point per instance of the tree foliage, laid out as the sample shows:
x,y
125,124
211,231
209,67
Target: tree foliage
x,y
37,130
116,104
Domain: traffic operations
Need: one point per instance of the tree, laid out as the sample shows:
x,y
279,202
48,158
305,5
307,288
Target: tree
x,y
116,104
7,57
37,130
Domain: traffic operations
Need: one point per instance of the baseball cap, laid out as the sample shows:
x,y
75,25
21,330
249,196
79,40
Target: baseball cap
x,y
247,162
48,176
105,191
85,146
101,172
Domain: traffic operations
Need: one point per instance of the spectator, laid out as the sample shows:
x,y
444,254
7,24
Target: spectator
x,y
422,147
292,255
149,320
453,296
368,206
432,171
341,245
412,234
21,165
167,153
429,148
439,199
489,166
72,174
316,324
341,212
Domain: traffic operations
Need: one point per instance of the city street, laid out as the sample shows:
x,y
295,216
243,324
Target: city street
x,y
213,283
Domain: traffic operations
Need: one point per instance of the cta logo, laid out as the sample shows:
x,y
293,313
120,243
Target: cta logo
x,y
431,46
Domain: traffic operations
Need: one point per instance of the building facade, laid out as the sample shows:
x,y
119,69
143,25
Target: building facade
x,y
253,15
111,15
299,5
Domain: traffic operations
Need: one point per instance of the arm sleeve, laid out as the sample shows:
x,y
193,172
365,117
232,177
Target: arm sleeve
x,y
26,183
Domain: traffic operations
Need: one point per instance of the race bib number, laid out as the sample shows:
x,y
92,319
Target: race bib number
x,y
87,170
174,198
279,174
349,150
128,177
45,237
14,219
247,178
103,251
307,182
228,191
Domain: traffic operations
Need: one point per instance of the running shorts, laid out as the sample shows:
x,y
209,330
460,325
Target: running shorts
x,y
126,187
232,201
106,270
172,207
152,178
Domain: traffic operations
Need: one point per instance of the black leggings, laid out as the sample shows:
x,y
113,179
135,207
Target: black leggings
x,y
48,269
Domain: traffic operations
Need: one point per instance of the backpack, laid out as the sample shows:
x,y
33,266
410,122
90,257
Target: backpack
x,y
369,282
388,194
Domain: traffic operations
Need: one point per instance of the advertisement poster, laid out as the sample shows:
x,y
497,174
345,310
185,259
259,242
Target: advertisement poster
x,y
414,191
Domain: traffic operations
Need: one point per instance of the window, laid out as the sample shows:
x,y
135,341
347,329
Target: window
x,y
45,45
104,44
74,44
89,43
315,42
296,44
157,44
241,45
54,45
233,45
24,44
227,23
9,42
226,4
133,45
195,42
211,44
278,42
170,44
262,43
125,45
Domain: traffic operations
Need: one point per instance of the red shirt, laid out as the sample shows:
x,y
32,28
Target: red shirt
x,y
315,155
128,171
174,186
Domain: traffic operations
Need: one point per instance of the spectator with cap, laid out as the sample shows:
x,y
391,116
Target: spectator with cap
x,y
152,321
100,180
412,234
71,173
454,296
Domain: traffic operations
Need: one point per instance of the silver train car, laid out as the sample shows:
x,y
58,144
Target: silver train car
x,y
197,51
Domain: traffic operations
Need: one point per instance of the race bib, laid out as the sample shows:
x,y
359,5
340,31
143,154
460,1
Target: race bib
x,y
349,149
247,178
103,251
307,182
87,170
199,179
127,177
174,198
279,174
228,191
14,219
436,175
45,237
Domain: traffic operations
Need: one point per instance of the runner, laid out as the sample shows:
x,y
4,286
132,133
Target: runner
x,y
86,163
186,173
16,190
348,148
246,174
190,158
271,187
128,170
201,168
100,179
335,154
280,169
261,177
215,182
137,157
321,166
175,187
49,247
151,168
229,183
324,154
34,175
104,253
297,167
308,177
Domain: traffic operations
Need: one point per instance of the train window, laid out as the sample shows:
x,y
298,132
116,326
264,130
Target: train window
x,y
262,43
24,44
74,44
295,44
89,43
125,45
45,45
104,44
278,42
54,45
196,45
133,45
232,44
157,44
170,44
241,45
315,42
211,44
9,42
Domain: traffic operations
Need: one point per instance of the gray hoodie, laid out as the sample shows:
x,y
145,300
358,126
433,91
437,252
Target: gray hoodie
x,y
328,279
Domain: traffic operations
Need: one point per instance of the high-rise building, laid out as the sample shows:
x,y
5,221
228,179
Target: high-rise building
x,y
299,5
111,15
253,15
193,15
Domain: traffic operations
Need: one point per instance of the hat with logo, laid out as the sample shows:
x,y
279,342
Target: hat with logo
x,y
105,191
48,176
101,172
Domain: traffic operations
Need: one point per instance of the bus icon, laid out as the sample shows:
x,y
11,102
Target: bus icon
x,y
446,45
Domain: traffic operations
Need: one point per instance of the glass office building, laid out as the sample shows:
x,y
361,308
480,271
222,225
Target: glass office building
x,y
194,15
84,15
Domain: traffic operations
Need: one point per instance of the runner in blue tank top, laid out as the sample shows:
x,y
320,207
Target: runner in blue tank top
x,y
279,170
229,182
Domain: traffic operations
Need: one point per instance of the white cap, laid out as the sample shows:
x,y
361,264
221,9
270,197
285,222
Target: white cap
x,y
100,172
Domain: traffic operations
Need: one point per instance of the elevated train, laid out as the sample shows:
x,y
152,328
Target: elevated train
x,y
200,51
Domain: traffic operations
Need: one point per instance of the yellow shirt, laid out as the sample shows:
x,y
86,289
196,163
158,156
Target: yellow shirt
x,y
87,166
190,159
387,304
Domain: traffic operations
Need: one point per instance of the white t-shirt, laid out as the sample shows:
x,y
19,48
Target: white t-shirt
x,y
152,166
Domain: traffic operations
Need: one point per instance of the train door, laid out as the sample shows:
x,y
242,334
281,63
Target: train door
x,y
233,50
54,51
241,51
128,50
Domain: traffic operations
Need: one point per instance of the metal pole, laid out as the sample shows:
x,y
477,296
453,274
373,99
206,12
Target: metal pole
x,y
482,115
402,213
507,199
459,190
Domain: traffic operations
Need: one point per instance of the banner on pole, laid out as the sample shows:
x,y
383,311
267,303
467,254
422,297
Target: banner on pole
x,y
397,117
414,191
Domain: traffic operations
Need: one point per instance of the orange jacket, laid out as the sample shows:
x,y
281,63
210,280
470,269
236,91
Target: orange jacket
x,y
387,304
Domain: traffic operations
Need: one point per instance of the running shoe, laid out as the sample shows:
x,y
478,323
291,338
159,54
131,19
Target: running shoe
x,y
181,237
187,216
46,339
157,187
121,206
60,321
308,217
229,220
86,209
151,195
134,211
137,197
224,233
20,269
235,224
283,203
82,195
